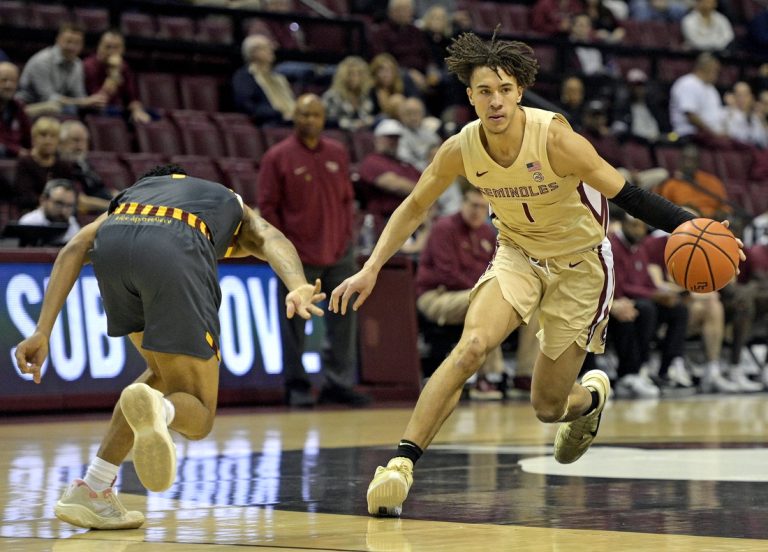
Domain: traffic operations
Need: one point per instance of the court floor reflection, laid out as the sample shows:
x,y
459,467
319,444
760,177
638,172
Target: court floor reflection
x,y
478,487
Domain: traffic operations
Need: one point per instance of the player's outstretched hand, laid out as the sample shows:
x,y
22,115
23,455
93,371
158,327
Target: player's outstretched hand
x,y
31,354
303,301
361,283
742,255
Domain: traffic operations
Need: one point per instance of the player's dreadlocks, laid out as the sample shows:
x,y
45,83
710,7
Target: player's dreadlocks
x,y
468,51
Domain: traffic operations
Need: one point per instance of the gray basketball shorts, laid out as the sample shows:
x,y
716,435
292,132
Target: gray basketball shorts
x,y
159,275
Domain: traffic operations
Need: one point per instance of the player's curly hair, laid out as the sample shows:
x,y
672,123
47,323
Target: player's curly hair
x,y
468,52
164,170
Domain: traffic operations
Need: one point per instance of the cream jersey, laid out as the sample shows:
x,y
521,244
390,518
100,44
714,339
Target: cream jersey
x,y
544,214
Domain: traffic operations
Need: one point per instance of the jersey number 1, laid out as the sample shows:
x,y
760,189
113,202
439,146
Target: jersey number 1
x,y
528,212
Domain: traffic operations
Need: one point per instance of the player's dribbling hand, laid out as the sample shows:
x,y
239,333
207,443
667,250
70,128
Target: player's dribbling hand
x,y
303,299
31,354
742,255
361,283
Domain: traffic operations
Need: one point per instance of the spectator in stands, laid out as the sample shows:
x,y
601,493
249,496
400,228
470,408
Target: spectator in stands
x,y
419,136
586,59
305,191
106,72
258,90
348,104
58,203
74,141
635,116
385,179
743,120
553,17
658,10
390,87
597,129
606,26
639,308
14,123
52,80
398,36
443,90
691,187
40,165
3,56
447,275
695,108
704,28
572,100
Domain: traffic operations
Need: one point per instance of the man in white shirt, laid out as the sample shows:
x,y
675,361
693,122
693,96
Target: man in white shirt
x,y
418,137
704,28
57,204
694,102
742,120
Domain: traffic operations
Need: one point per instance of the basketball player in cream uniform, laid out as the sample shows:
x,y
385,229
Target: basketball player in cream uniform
x,y
547,187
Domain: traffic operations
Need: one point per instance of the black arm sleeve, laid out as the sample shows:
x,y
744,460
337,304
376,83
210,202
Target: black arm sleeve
x,y
651,208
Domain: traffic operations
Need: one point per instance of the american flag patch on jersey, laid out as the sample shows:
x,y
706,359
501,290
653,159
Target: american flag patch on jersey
x,y
535,166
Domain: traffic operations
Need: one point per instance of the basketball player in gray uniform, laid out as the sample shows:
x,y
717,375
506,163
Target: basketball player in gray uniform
x,y
154,254
547,187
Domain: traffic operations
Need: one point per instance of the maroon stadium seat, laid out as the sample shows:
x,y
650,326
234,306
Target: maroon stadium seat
x,y
159,137
96,20
158,90
198,166
201,138
273,135
108,133
15,14
138,24
199,92
175,28
111,169
215,30
242,176
244,140
140,163
48,16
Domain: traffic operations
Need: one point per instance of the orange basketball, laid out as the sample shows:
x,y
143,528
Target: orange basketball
x,y
702,255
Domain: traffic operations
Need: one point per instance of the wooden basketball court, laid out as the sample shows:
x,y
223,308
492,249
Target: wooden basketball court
x,y
672,475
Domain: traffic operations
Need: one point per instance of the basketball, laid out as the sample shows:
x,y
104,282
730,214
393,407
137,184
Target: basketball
x,y
702,255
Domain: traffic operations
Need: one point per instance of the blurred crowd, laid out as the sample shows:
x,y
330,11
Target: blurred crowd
x,y
690,126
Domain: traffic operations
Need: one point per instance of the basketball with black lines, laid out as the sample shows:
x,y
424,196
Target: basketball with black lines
x,y
702,255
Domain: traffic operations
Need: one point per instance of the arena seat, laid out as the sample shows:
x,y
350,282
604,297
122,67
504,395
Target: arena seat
x,y
198,166
138,24
139,163
48,16
111,169
199,92
158,90
108,133
243,140
96,20
215,30
200,137
175,28
159,137
241,175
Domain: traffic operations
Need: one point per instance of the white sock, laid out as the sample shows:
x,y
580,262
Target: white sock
x,y
170,411
101,474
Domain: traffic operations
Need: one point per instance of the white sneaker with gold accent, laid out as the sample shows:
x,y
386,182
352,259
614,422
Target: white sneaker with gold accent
x,y
82,506
574,438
